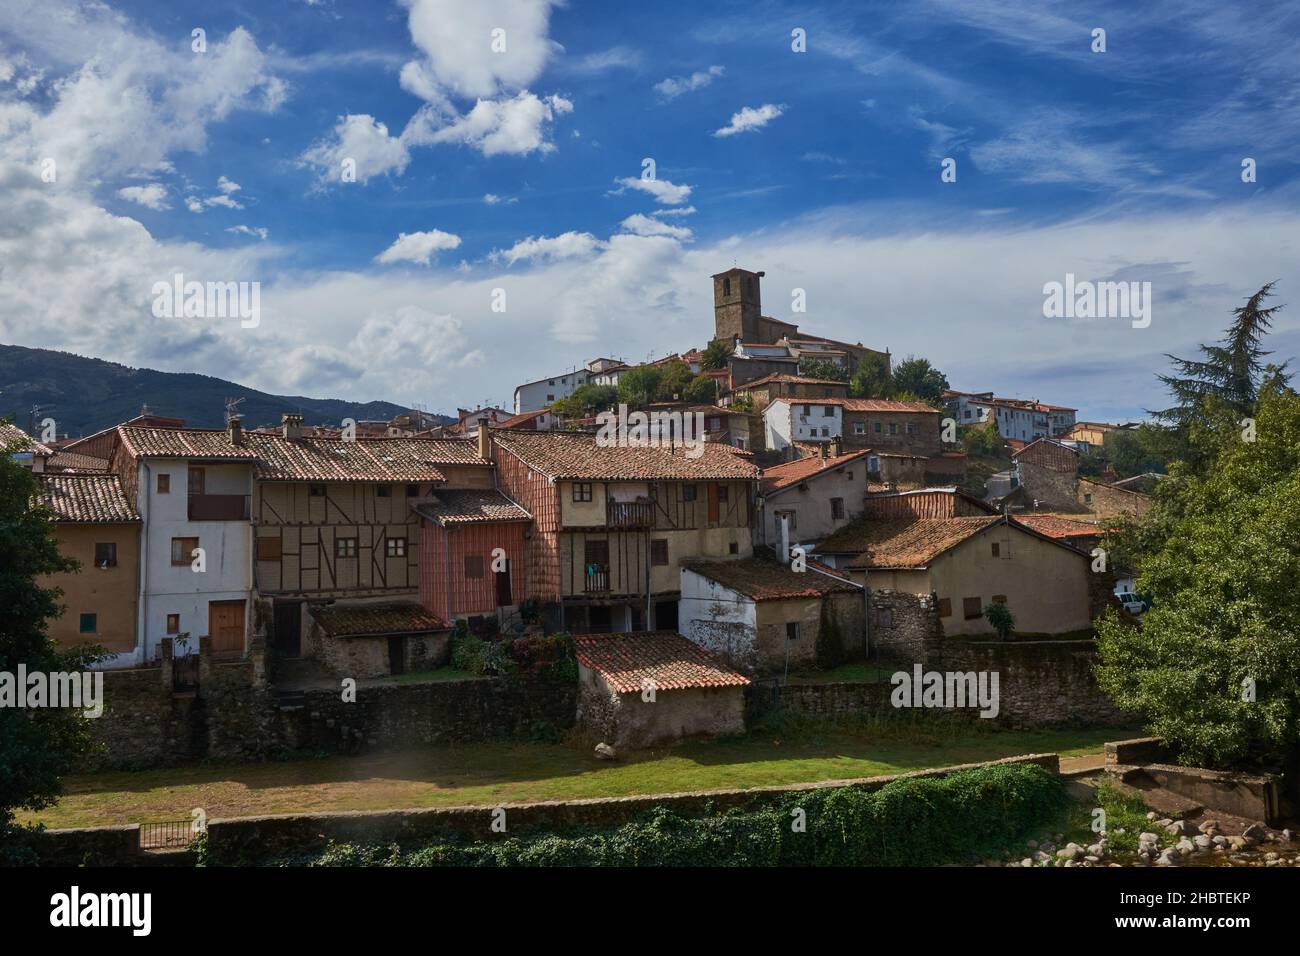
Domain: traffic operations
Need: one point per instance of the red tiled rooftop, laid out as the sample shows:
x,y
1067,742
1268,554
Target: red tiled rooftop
x,y
791,473
664,657
767,580
1058,526
376,620
471,506
578,456
902,543
863,404
85,499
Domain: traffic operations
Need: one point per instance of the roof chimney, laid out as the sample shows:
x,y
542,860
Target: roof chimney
x,y
291,426
822,448
837,444
236,431
484,440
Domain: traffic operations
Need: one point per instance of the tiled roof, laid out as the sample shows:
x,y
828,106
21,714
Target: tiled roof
x,y
366,459
210,443
791,473
1058,526
517,420
20,440
767,580
863,404
473,506
902,543
576,455
375,620
1040,443
785,378
85,499
72,461
665,657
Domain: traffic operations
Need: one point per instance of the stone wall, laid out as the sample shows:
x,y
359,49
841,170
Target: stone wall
x,y
145,724
902,625
1049,487
627,722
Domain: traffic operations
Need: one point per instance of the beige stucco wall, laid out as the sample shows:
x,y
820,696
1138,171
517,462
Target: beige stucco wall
x,y
772,617
627,722
109,593
812,508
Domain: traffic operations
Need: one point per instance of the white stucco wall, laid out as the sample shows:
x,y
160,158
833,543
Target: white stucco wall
x,y
718,619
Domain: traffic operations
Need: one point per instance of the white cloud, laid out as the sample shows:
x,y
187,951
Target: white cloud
x,y
675,86
514,126
750,118
193,204
567,245
257,232
152,195
641,225
492,199
675,211
225,201
661,189
226,186
365,141
418,246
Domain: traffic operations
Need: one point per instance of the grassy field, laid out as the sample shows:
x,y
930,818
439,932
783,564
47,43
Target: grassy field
x,y
492,773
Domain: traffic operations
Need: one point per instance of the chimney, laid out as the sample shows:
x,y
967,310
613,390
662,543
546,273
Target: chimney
x,y
291,426
822,449
484,440
236,431
837,445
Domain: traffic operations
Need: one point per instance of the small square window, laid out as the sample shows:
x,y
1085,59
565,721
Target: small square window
x,y
383,491
89,623
997,550
945,607
106,555
837,507
582,491
875,426
792,631
345,547
473,566
830,411
412,491
396,547
659,552
971,608
173,623
723,492
999,599
164,484
859,428
268,549
316,490
893,428
688,492
183,550
733,548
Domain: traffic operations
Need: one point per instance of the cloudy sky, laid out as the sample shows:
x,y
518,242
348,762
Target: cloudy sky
x,y
523,169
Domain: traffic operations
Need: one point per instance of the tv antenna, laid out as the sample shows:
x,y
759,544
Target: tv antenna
x,y
232,409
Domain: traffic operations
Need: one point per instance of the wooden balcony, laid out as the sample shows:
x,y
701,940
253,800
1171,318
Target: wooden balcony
x,y
219,507
630,515
597,580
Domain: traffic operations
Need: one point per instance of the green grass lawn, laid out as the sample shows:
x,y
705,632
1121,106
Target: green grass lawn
x,y
492,773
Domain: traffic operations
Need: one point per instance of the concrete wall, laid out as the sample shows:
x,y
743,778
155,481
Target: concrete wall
x,y
720,620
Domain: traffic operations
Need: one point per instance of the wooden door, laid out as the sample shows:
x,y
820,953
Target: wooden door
x,y
713,502
288,626
397,655
503,586
198,481
226,627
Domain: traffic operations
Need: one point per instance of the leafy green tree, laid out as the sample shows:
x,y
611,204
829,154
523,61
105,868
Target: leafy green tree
x,y
821,368
702,390
639,386
982,439
674,378
918,376
1139,451
1000,619
1215,666
586,400
716,354
37,746
872,380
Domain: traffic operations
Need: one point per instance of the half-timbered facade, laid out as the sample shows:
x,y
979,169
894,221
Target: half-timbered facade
x,y
611,524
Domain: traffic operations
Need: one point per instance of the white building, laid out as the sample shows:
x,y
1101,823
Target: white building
x,y
787,420
531,396
193,489
1016,418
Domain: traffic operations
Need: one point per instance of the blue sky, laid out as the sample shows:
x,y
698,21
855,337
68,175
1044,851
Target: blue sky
x,y
504,171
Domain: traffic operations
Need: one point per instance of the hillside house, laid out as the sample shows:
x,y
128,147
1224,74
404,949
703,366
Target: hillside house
x,y
814,496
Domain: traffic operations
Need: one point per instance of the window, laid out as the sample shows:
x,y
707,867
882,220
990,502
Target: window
x,y
945,607
582,491
726,286
396,547
859,428
595,553
911,428
971,609
966,414
1087,499
875,427
723,492
182,550
198,481
173,623
316,490
837,507
893,428
412,491
383,491
688,492
164,484
792,631
89,622
873,464
268,549
826,433
999,599
733,548
345,547
807,409
106,555
659,551
550,396
829,411
473,565
997,550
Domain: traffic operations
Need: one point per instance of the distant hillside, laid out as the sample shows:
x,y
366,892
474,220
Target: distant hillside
x,y
86,394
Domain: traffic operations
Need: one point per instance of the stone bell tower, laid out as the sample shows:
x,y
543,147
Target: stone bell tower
x,y
737,305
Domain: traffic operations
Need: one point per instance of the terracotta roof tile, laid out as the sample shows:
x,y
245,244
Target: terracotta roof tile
x,y
576,455
767,580
85,499
209,443
902,543
473,506
73,461
665,657
791,473
367,459
375,620
1058,526
863,404
12,435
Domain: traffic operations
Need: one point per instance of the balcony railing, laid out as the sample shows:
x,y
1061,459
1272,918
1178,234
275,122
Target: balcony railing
x,y
630,514
219,507
597,579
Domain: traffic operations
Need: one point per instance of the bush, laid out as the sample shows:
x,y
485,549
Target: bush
x,y
1000,619
912,822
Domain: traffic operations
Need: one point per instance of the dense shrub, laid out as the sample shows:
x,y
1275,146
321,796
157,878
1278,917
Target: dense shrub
x,y
923,821
529,654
